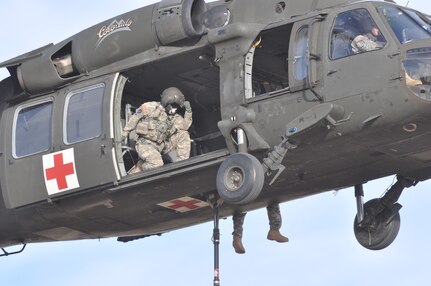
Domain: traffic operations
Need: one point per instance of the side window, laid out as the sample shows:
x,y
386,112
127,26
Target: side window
x,y
32,129
300,63
83,114
355,32
266,63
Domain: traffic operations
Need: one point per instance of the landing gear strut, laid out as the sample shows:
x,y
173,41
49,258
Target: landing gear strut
x,y
377,222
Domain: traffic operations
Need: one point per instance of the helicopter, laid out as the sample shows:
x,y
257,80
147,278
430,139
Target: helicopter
x,y
273,86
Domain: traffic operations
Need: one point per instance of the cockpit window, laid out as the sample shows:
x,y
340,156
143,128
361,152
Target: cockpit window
x,y
355,32
32,129
83,114
407,25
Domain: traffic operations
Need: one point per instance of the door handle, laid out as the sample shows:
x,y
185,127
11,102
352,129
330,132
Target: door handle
x,y
102,149
330,72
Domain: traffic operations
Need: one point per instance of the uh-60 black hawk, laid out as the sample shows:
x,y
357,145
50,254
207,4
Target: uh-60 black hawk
x,y
287,103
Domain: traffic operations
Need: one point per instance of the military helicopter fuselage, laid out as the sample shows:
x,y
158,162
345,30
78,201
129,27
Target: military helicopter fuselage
x,y
284,106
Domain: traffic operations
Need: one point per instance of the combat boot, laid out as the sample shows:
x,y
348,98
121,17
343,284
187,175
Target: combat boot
x,y
237,245
277,236
136,169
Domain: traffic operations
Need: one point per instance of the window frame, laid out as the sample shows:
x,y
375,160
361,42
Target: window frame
x,y
331,33
304,56
253,64
15,121
66,110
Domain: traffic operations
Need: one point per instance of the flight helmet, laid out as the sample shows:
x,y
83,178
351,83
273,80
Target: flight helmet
x,y
171,99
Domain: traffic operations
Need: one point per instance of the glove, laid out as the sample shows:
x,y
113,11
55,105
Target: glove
x,y
124,135
187,106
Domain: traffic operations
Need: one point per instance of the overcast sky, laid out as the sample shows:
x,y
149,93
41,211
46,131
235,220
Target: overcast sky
x,y
322,248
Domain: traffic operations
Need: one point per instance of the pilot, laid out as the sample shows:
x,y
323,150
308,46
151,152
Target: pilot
x,y
172,99
274,217
150,126
367,42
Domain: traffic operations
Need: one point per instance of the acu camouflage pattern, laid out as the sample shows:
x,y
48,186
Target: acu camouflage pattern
x,y
274,217
365,43
180,137
151,123
156,132
151,126
238,222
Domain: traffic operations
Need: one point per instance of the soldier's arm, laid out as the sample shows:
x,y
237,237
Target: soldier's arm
x,y
133,121
188,118
358,44
182,123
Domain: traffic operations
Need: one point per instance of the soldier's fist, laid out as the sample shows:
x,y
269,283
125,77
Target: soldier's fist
x,y
187,106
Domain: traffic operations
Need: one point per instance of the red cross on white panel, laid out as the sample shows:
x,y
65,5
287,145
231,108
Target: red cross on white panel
x,y
60,172
184,204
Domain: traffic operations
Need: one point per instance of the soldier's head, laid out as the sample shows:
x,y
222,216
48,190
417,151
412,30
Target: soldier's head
x,y
368,26
172,99
375,31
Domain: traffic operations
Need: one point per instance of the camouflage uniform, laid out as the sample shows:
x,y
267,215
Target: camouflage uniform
x,y
238,222
151,125
180,137
274,217
365,43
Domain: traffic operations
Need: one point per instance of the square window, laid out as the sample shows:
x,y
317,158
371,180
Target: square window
x,y
32,129
83,114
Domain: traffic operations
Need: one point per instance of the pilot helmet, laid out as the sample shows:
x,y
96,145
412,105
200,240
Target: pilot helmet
x,y
172,99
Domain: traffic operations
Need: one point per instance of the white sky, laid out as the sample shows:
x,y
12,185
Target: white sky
x,y
322,250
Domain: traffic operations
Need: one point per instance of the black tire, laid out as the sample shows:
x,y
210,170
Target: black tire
x,y
240,179
381,233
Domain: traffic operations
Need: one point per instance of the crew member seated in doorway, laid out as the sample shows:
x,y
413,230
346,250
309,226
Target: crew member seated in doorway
x,y
151,127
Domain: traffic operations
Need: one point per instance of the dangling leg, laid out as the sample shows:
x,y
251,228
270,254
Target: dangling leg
x,y
274,217
238,221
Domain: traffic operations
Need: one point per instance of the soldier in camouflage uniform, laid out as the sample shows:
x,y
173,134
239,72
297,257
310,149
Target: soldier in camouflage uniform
x,y
367,42
179,138
151,125
274,217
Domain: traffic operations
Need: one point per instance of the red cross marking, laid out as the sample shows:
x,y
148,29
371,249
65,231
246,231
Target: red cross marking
x,y
176,204
59,171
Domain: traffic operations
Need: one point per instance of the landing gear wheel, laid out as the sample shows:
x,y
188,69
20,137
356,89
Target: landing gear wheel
x,y
381,231
240,178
